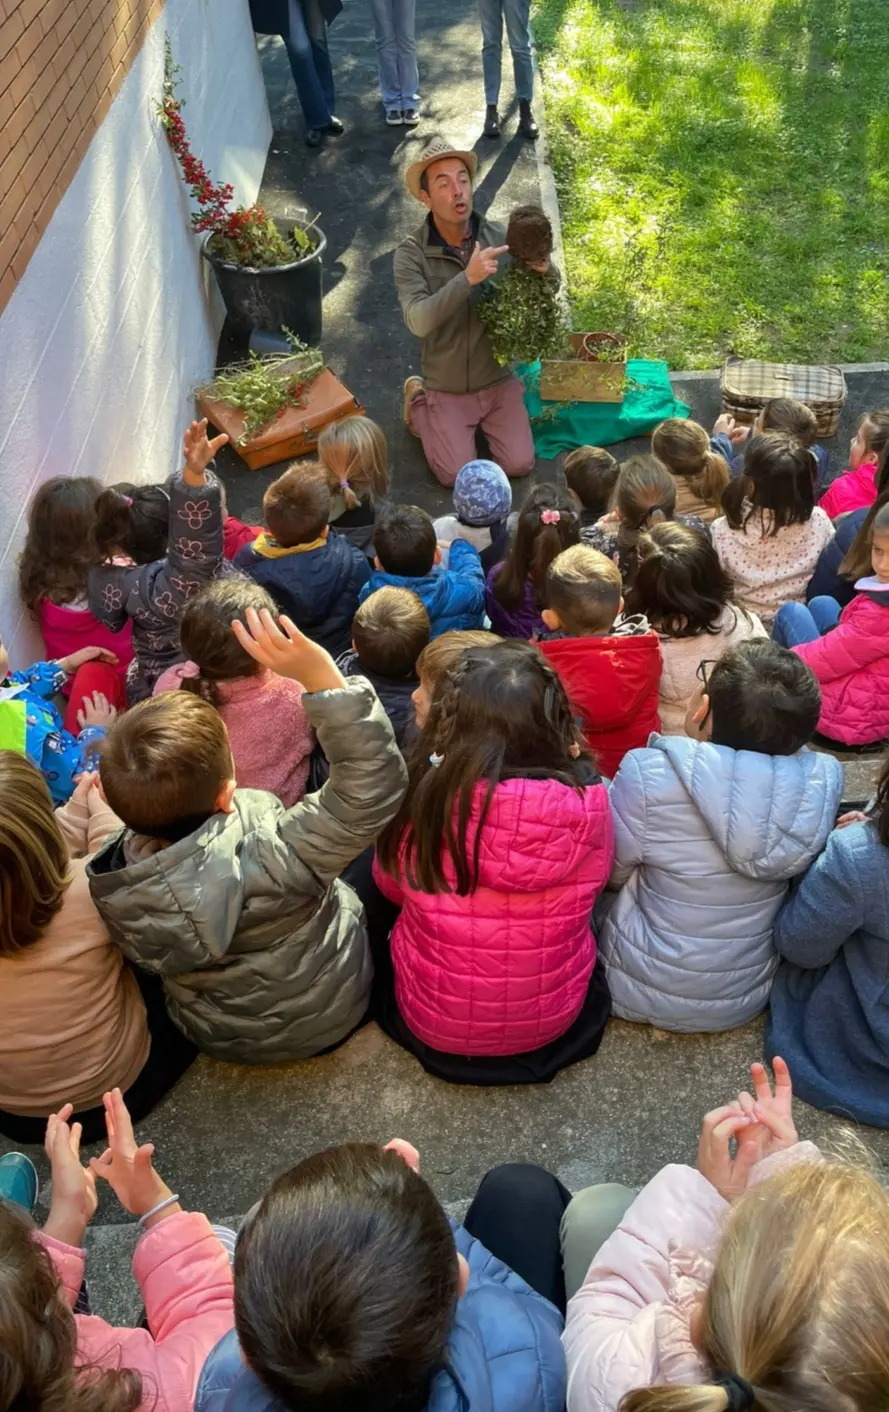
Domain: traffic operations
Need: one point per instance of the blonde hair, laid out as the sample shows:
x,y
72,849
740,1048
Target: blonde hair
x,y
34,864
583,587
443,653
798,1304
355,460
684,448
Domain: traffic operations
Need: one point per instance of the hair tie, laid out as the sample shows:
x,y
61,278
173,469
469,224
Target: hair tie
x,y
344,484
741,1394
435,759
127,499
549,517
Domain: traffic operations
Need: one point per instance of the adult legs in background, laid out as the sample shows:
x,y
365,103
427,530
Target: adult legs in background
x,y
490,13
796,623
592,1217
516,1214
306,46
517,14
405,36
445,423
394,26
505,423
93,676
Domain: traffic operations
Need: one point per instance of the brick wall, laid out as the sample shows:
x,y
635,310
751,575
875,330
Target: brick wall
x,y
61,64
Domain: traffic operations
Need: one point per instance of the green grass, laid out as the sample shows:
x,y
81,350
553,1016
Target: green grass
x,y
723,173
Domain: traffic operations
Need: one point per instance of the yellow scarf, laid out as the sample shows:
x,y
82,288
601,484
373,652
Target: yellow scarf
x,y
270,548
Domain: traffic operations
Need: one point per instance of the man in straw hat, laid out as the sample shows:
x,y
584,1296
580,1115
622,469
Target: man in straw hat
x,y
438,272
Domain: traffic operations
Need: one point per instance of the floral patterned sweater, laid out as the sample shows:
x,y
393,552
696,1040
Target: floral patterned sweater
x,y
152,596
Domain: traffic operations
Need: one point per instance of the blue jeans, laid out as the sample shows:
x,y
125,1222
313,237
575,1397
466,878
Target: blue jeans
x,y
491,13
796,623
306,46
397,52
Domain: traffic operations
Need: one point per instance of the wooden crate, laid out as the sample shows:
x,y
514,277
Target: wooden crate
x,y
296,431
578,380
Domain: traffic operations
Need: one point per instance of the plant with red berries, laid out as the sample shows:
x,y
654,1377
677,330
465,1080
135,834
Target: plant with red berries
x,y
246,235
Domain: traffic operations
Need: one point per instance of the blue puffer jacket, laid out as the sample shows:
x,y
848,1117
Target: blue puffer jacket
x,y
454,597
504,1354
317,587
706,839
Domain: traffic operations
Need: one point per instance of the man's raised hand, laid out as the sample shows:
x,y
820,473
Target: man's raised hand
x,y
483,263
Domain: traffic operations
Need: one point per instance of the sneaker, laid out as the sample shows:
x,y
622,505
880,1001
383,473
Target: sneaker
x,y
314,137
394,117
412,388
492,121
18,1180
336,127
527,124
411,117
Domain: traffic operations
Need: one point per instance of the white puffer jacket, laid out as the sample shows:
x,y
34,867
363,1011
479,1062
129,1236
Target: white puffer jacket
x,y
706,839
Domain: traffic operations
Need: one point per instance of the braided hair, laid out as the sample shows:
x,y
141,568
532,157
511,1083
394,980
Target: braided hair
x,y
499,713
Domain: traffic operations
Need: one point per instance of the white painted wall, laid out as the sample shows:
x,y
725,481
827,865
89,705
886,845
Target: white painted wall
x,y
115,321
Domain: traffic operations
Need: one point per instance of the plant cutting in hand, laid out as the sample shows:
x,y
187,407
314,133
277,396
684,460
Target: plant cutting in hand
x,y
246,235
262,387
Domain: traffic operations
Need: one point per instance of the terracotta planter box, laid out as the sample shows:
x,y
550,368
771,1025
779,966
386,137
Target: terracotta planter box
x,y
296,431
577,379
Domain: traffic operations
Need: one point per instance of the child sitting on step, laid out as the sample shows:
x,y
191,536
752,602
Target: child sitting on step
x,y
547,524
234,900
701,474
167,559
495,858
313,573
270,735
778,414
482,502
355,459
709,828
590,475
644,495
436,660
609,665
56,1356
857,488
390,632
408,556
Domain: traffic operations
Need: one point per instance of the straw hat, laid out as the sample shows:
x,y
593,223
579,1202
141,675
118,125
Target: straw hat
x,y
437,149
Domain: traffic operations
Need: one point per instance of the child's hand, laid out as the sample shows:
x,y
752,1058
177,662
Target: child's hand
x,y
854,816
86,654
199,451
726,1173
96,711
86,784
73,1186
772,1112
724,425
126,1168
294,655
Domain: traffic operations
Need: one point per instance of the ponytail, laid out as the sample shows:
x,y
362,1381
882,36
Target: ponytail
x,y
645,496
355,460
132,519
547,524
206,638
733,498
777,482
707,1397
684,447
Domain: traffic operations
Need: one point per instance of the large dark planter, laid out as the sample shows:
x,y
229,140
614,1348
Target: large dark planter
x,y
281,296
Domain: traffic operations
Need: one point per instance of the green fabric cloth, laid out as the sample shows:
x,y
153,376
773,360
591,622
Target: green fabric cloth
x,y
13,726
560,426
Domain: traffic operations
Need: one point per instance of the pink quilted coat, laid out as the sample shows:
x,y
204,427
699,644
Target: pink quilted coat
x,y
506,968
185,1279
854,490
628,1325
852,667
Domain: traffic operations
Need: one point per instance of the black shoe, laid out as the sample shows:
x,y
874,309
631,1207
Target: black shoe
x,y
527,126
335,127
314,137
492,121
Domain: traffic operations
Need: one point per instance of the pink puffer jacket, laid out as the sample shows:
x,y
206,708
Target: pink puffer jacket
x,y
853,490
506,968
852,667
628,1326
185,1279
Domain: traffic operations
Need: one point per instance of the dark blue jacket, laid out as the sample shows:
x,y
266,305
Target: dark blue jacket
x,y
829,1002
826,577
454,597
317,588
395,696
504,1353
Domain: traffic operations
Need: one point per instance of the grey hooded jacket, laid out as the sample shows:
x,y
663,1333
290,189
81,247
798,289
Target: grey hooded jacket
x,y
706,839
262,950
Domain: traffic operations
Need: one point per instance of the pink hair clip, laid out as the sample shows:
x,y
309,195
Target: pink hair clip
x,y
549,517
127,499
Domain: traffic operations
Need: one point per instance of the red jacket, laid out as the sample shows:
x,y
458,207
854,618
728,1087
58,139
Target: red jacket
x,y
235,534
613,684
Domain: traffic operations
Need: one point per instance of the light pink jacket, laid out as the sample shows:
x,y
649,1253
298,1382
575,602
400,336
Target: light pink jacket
x,y
185,1279
628,1325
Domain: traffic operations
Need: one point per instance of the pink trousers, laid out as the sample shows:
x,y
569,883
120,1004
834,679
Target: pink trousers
x,y
447,422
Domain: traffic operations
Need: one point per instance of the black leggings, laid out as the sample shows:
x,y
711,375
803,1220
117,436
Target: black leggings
x,y
516,1214
168,1058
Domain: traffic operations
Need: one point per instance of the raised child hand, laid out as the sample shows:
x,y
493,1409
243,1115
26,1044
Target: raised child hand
x,y
96,711
127,1168
727,1173
74,660
772,1112
289,653
73,1185
199,451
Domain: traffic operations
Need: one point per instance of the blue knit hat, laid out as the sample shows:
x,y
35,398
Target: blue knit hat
x,y
482,493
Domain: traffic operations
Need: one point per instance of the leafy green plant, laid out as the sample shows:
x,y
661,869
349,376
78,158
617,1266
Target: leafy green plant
x,y
523,315
264,386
